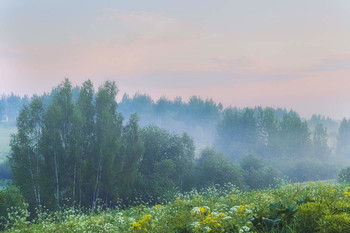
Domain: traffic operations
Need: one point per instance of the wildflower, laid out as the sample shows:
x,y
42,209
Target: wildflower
x,y
244,229
195,224
195,210
135,225
215,214
241,208
206,207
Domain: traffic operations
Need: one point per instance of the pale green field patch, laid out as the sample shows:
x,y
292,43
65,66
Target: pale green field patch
x,y
6,129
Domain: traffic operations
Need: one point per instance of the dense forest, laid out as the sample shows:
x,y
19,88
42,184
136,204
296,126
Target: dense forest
x,y
78,147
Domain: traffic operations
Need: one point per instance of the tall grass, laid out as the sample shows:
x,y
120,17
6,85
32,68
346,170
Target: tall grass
x,y
300,207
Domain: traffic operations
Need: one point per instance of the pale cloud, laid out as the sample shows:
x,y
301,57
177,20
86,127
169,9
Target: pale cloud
x,y
333,62
240,53
244,65
147,20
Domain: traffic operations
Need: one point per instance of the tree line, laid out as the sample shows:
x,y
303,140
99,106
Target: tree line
x,y
77,146
299,148
79,151
10,105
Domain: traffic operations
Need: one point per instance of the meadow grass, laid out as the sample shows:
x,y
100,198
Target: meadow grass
x,y
301,207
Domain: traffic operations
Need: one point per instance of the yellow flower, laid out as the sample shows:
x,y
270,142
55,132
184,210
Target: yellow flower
x,y
136,225
241,208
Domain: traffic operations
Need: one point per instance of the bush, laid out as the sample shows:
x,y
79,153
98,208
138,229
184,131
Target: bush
x,y
213,168
336,223
256,175
13,208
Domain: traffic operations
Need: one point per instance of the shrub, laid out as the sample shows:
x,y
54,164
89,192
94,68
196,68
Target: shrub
x,y
336,223
256,175
213,168
13,208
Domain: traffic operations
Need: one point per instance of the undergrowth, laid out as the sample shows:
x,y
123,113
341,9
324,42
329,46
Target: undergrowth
x,y
300,207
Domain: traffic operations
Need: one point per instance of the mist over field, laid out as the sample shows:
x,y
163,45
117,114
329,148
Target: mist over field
x,y
295,148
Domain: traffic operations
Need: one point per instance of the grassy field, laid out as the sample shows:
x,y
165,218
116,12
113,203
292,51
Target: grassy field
x,y
307,207
6,129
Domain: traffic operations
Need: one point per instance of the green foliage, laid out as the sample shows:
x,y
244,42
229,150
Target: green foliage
x,y
70,151
13,208
74,150
256,175
166,161
308,207
213,168
131,153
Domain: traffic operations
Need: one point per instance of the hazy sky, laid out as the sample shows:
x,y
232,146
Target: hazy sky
x,y
293,54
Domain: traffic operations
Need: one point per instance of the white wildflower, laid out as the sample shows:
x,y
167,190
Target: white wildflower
x,y
215,214
196,210
195,224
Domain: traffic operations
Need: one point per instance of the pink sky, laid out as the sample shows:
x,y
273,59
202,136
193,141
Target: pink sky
x,y
294,55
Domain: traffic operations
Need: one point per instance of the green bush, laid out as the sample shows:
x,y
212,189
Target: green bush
x,y
308,216
13,207
333,223
256,175
213,168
